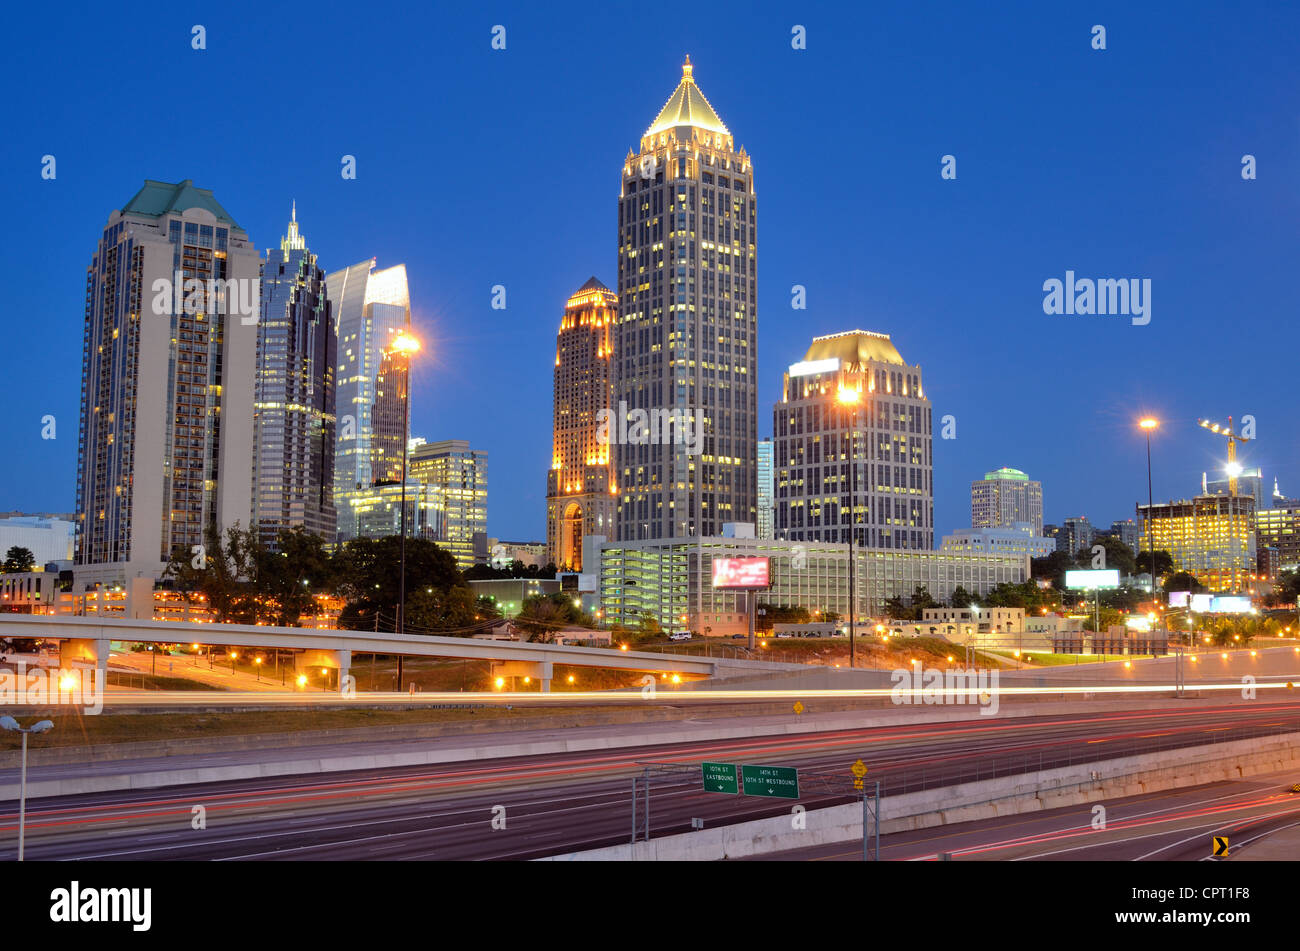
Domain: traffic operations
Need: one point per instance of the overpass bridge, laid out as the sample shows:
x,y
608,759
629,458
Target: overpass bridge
x,y
87,639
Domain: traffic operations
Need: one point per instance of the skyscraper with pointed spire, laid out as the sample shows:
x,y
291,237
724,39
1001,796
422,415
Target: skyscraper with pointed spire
x,y
294,394
579,490
687,326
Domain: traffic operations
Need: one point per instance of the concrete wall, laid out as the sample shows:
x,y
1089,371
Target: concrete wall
x,y
986,799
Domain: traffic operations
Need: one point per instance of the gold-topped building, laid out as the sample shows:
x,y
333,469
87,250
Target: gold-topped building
x,y
580,487
686,340
854,447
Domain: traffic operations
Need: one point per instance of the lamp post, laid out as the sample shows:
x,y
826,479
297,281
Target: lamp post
x,y
406,345
852,397
9,723
1147,424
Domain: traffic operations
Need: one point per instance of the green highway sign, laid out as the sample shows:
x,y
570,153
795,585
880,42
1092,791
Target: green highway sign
x,y
781,782
720,777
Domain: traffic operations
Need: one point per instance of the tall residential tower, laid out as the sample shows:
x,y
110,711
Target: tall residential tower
x,y
687,324
293,400
579,489
168,354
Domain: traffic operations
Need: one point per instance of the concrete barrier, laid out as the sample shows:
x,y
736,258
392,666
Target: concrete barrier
x,y
967,802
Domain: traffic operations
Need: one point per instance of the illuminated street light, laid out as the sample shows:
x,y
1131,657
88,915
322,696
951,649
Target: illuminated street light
x,y
42,726
407,346
1148,425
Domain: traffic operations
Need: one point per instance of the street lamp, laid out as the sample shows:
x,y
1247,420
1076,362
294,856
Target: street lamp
x,y
847,397
42,726
1148,424
405,345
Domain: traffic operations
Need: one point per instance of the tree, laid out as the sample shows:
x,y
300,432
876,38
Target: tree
x,y
19,560
1117,556
921,600
961,598
1053,567
288,580
1182,581
367,570
542,615
222,571
1164,563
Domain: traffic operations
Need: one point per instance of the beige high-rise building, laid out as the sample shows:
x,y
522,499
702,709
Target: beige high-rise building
x,y
854,446
1006,496
687,330
459,477
580,497
172,298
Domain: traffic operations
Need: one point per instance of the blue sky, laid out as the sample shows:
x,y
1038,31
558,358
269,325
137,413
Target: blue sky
x,y
479,167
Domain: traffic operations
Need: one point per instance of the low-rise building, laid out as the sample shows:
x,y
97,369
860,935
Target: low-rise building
x,y
670,580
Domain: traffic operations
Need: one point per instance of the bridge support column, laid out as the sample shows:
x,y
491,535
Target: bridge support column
x,y
87,651
344,661
541,671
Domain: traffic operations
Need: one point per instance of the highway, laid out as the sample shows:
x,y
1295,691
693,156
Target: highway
x,y
564,802
1170,825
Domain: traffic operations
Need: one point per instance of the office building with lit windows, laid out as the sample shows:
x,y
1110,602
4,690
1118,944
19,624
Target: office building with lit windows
x,y
167,382
1211,537
1279,529
669,580
766,509
853,434
371,308
687,327
459,474
293,398
580,488
1006,496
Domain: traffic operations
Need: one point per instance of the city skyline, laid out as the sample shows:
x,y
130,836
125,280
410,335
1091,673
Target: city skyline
x,y
457,391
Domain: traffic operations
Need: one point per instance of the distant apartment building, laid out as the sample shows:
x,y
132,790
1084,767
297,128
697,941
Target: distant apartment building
x,y
293,399
1006,496
1211,537
1277,529
167,385
371,308
460,474
853,447
1128,531
581,495
1075,534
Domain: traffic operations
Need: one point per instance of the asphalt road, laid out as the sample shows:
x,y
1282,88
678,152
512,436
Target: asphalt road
x,y
1171,825
542,805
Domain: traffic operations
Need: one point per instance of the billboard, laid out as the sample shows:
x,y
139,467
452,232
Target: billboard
x,y
1103,578
746,574
1179,599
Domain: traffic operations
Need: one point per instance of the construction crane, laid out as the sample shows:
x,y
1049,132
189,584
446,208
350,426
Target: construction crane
x,y
1233,468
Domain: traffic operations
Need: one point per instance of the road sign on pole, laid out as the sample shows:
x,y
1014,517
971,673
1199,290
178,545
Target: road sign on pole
x,y
1220,845
720,778
780,782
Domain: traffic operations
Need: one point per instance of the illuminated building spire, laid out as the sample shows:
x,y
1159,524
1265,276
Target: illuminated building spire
x,y
293,241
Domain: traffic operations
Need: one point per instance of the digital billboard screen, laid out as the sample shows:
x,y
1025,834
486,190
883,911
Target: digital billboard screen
x,y
745,574
1103,578
1179,599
